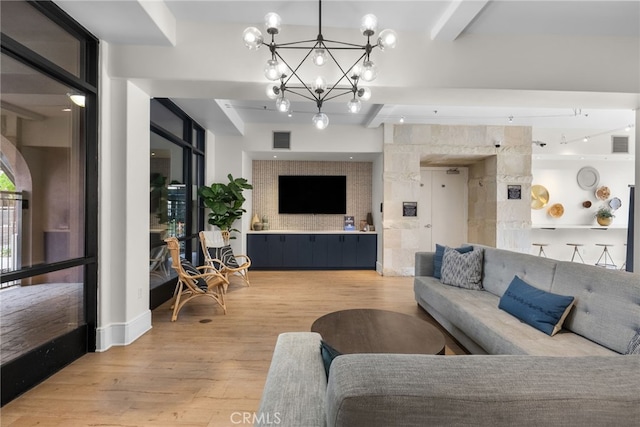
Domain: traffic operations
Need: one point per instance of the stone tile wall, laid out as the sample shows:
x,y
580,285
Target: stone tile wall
x,y
493,220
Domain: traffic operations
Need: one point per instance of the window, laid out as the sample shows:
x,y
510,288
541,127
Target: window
x,y
48,182
177,170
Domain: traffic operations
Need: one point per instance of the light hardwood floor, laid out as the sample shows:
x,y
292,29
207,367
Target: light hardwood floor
x,y
207,366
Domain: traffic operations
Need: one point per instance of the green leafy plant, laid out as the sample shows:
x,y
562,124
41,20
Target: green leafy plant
x,y
225,201
604,212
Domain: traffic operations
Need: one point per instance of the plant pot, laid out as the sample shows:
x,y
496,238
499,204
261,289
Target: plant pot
x,y
604,221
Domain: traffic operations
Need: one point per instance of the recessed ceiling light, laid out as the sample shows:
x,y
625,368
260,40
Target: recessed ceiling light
x,y
66,109
275,157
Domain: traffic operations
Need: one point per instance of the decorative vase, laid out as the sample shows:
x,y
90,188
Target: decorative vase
x,y
255,220
265,223
604,221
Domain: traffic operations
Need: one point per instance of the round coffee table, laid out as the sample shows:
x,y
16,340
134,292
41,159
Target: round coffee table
x,y
378,331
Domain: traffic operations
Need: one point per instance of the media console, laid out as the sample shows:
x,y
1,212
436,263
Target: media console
x,y
336,250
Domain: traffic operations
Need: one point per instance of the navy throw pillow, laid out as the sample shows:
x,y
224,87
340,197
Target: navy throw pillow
x,y
328,354
192,271
224,254
437,258
542,310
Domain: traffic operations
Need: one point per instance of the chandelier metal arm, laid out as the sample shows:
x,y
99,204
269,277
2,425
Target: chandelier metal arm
x,y
346,91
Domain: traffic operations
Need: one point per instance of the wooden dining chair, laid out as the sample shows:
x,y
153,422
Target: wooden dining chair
x,y
194,282
223,258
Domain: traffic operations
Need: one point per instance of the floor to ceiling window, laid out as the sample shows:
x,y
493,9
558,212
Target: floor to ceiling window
x,y
48,188
177,170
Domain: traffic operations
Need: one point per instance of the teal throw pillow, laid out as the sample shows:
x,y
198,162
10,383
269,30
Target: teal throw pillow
x,y
542,310
328,354
437,258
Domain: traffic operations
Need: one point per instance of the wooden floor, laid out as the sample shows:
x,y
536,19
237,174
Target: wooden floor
x,y
207,366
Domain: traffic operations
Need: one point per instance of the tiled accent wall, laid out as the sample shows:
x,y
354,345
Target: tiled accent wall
x,y
265,192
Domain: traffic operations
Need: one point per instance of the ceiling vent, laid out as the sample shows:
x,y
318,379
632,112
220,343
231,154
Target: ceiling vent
x,y
620,144
282,140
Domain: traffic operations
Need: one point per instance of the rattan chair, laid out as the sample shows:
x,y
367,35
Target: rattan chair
x,y
222,257
188,287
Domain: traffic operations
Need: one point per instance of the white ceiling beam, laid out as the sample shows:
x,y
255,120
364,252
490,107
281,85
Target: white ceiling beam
x,y
377,115
231,114
456,18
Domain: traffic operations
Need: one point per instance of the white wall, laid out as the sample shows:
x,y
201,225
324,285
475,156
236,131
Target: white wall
x,y
123,278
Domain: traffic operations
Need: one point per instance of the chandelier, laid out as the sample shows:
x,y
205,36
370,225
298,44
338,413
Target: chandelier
x,y
286,79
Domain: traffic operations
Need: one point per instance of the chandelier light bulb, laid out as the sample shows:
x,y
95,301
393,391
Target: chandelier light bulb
x,y
283,104
283,70
272,91
319,84
354,106
355,72
319,57
364,93
272,22
368,25
320,121
369,71
387,39
272,70
252,38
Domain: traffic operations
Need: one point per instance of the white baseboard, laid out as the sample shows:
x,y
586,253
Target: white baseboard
x,y
122,333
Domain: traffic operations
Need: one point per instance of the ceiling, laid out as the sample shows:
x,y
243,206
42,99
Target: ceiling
x,y
131,22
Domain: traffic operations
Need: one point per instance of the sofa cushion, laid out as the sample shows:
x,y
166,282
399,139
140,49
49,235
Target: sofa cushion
x,y
475,314
420,390
463,270
607,307
501,265
542,310
437,258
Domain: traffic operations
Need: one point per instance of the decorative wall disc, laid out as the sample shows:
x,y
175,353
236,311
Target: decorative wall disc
x,y
603,193
539,197
588,178
556,210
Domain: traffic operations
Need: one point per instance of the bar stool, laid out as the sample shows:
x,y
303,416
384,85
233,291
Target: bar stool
x,y
624,264
605,254
541,251
575,251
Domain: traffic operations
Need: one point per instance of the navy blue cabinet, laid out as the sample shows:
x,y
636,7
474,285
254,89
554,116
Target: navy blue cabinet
x,y
312,251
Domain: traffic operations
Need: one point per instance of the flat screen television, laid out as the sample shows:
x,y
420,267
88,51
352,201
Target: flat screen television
x,y
312,194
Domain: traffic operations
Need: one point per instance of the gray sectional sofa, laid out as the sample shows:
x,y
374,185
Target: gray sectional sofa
x,y
517,375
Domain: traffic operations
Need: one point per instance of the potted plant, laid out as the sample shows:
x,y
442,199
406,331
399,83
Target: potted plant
x,y
604,216
225,202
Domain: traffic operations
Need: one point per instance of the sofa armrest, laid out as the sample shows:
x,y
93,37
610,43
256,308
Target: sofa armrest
x,y
424,264
418,390
294,393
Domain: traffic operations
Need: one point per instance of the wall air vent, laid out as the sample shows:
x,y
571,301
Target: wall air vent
x,y
620,144
282,140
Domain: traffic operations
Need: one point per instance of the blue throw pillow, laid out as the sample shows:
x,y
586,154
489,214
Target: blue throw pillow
x,y
328,354
437,258
542,310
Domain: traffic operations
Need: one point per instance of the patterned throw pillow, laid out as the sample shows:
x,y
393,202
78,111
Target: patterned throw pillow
x,y
462,270
224,254
437,258
634,344
191,270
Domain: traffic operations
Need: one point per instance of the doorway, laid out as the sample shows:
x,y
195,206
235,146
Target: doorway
x,y
443,208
